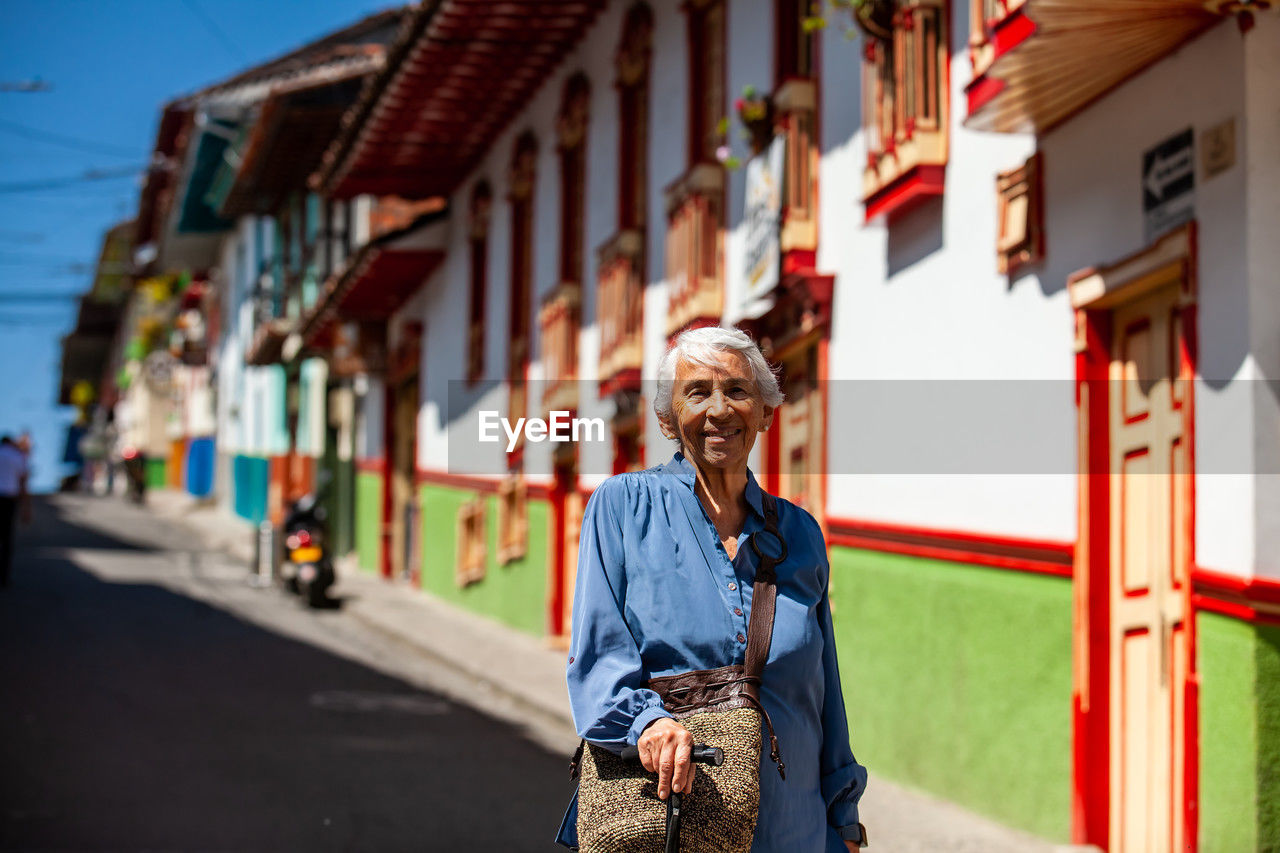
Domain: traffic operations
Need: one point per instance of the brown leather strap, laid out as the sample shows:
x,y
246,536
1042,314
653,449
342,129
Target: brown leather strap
x,y
760,626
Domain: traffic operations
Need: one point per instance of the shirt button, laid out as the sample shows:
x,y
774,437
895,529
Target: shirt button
x,y
732,585
737,611
741,639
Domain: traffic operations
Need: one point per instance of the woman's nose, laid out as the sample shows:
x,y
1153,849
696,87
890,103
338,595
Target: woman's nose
x,y
719,404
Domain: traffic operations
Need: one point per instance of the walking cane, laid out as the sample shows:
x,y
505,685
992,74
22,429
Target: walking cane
x,y
712,756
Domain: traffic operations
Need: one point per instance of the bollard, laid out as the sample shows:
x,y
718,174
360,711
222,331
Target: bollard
x,y
264,555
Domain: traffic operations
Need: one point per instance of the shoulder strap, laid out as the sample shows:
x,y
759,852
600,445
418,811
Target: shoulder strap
x,y
764,594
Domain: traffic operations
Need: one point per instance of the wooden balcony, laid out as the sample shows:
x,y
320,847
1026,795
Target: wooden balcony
x,y
620,311
795,104
905,108
558,323
695,262
996,27
1039,62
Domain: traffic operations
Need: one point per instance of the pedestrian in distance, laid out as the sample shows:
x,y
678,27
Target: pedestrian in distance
x,y
668,570
13,499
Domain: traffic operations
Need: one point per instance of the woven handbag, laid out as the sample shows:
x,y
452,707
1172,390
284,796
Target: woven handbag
x,y
618,806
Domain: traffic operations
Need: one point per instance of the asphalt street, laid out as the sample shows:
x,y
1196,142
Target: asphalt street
x,y
142,709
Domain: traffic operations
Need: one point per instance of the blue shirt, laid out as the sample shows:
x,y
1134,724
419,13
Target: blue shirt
x,y
657,595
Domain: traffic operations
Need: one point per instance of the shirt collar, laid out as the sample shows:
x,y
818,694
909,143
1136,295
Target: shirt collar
x,y
683,470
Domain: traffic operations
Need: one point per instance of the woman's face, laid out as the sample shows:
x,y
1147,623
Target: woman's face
x,y
717,412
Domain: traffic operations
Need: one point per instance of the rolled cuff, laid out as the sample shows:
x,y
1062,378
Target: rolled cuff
x,y
854,833
643,719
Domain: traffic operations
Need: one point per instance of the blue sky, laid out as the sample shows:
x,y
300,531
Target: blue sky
x,y
110,67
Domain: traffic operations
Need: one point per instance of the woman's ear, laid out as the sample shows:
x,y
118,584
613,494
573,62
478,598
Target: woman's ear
x,y
667,430
767,418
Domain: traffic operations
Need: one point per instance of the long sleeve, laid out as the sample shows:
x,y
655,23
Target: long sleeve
x,y
843,778
610,707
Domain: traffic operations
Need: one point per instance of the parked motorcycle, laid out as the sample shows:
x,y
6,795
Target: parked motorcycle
x,y
134,463
307,568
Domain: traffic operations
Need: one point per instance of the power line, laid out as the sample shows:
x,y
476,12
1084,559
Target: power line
x,y
87,145
217,32
55,183
34,85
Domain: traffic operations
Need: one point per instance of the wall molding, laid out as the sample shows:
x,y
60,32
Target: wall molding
x,y
1250,599
1044,557
476,483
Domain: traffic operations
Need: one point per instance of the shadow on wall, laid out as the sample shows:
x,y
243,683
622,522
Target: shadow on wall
x,y
914,235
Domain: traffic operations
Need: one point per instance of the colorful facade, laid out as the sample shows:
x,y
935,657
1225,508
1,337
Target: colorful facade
x,y
1014,261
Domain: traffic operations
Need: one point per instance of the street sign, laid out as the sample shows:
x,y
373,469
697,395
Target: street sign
x,y
1168,184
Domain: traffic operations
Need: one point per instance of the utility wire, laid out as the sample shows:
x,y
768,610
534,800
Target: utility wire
x,y
217,32
87,145
55,183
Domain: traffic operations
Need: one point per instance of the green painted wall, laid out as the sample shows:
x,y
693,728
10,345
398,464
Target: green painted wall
x,y
157,477
516,593
1239,668
368,511
957,681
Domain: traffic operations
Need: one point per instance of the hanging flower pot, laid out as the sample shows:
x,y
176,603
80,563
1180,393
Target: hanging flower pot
x,y
755,111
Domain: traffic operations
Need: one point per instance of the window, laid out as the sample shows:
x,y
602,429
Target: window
x,y
478,238
620,267
571,132
513,520
521,179
472,548
706,79
795,48
905,108
1020,213
632,62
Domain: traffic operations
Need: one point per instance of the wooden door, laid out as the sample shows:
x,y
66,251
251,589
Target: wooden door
x,y
1149,590
797,464
404,504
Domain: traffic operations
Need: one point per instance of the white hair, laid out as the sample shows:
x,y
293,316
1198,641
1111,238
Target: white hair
x,y
699,346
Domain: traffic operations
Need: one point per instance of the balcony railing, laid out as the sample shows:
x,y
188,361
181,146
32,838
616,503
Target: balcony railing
x,y
620,311
905,104
695,266
988,19
558,321
794,104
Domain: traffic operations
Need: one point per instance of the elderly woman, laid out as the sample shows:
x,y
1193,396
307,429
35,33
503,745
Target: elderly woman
x,y
665,586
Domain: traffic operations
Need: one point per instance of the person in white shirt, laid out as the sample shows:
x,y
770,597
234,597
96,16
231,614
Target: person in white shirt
x,y
13,493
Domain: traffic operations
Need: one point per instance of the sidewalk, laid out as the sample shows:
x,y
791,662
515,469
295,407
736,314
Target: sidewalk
x,y
513,676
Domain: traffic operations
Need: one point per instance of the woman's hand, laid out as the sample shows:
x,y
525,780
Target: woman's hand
x,y
666,748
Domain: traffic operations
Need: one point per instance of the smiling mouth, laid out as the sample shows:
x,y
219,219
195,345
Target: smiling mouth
x,y
723,434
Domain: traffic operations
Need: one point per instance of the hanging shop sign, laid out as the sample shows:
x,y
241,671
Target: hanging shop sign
x,y
1168,185
763,221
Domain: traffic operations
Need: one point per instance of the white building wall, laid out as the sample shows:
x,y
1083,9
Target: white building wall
x,y
1094,216
920,307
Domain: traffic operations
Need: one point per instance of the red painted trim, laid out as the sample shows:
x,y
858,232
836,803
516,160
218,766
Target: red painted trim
x,y
905,191
1189,361
803,261
1091,737
1255,600
475,483
982,91
999,552
1006,34
388,444
1011,31
371,466
628,379
1222,585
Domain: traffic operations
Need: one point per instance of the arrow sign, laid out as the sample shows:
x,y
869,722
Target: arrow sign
x,y
1168,184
